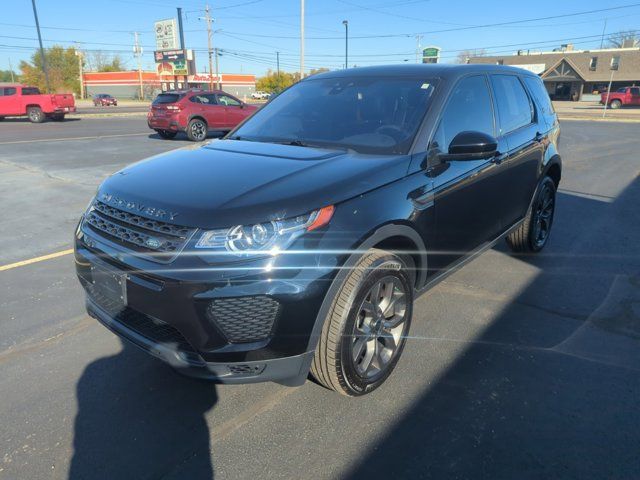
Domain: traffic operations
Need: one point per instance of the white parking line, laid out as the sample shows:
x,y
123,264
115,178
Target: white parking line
x,y
75,138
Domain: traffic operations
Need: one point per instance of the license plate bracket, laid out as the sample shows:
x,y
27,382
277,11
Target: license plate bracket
x,y
110,285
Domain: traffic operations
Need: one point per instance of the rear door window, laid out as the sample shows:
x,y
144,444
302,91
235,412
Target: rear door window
x,y
29,91
8,91
514,107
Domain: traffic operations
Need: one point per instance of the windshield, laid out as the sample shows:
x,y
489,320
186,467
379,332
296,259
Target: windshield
x,y
378,115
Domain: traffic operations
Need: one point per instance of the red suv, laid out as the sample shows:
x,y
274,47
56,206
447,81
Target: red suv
x,y
196,113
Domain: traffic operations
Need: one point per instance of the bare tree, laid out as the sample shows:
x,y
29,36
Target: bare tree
x,y
624,39
465,55
101,62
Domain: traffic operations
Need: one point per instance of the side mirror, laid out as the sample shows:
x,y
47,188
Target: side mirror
x,y
470,145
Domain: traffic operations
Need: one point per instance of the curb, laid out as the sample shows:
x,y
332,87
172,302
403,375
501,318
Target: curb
x,y
584,118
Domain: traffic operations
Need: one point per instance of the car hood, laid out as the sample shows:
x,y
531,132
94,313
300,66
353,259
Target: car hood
x,y
229,182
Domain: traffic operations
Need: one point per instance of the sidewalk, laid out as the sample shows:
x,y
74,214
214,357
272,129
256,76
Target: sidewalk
x,y
593,111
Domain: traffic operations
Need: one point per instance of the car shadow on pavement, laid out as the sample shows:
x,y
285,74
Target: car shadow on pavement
x,y
183,137
550,389
26,120
138,419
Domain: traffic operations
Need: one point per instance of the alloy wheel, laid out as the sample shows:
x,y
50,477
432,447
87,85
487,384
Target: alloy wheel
x,y
198,130
543,217
379,327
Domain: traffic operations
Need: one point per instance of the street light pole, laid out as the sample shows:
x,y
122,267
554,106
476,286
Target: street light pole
x,y
346,43
137,50
80,61
44,60
278,63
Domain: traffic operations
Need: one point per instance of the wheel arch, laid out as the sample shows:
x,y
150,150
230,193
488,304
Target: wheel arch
x,y
32,105
196,116
392,236
553,169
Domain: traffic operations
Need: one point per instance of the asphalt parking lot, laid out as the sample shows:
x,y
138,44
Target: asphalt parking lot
x,y
518,367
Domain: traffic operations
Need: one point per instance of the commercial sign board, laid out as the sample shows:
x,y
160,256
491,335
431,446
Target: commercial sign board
x,y
166,34
171,62
430,54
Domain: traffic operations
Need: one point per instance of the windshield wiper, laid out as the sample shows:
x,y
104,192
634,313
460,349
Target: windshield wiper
x,y
295,143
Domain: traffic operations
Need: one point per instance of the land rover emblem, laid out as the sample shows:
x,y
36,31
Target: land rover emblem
x,y
153,243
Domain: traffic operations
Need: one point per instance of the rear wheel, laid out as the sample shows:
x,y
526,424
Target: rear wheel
x,y
35,115
166,134
366,328
533,233
615,104
197,130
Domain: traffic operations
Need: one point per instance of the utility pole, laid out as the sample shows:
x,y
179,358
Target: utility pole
x,y
606,103
278,63
137,51
11,70
44,60
603,30
180,29
346,43
301,39
217,71
208,19
418,47
80,56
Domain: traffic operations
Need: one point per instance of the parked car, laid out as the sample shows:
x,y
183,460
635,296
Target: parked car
x,y
622,96
259,95
196,113
20,100
104,100
299,242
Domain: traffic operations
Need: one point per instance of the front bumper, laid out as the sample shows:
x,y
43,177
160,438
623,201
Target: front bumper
x,y
166,312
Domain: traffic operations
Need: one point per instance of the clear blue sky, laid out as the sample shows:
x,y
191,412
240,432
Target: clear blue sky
x,y
253,30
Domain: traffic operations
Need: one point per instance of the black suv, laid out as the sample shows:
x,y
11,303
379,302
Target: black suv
x,y
298,243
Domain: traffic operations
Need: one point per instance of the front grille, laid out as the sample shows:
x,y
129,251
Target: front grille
x,y
244,319
242,369
137,232
154,329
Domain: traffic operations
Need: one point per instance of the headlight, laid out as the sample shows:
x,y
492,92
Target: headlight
x,y
263,238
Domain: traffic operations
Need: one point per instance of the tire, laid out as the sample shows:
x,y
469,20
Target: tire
x,y
197,130
615,104
166,134
533,233
35,115
358,348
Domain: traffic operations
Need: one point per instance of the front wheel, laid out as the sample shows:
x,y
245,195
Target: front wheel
x,y
197,130
35,115
533,233
365,330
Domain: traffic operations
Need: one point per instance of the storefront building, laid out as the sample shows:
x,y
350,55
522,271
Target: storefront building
x,y
576,74
127,84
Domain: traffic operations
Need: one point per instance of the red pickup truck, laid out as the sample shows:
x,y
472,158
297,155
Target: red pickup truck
x,y
622,96
20,100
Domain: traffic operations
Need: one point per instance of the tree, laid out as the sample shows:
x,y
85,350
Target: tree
x,y
100,62
5,76
62,64
465,55
276,82
315,71
624,38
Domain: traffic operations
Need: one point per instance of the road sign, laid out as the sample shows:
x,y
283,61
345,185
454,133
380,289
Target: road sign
x,y
171,62
166,34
